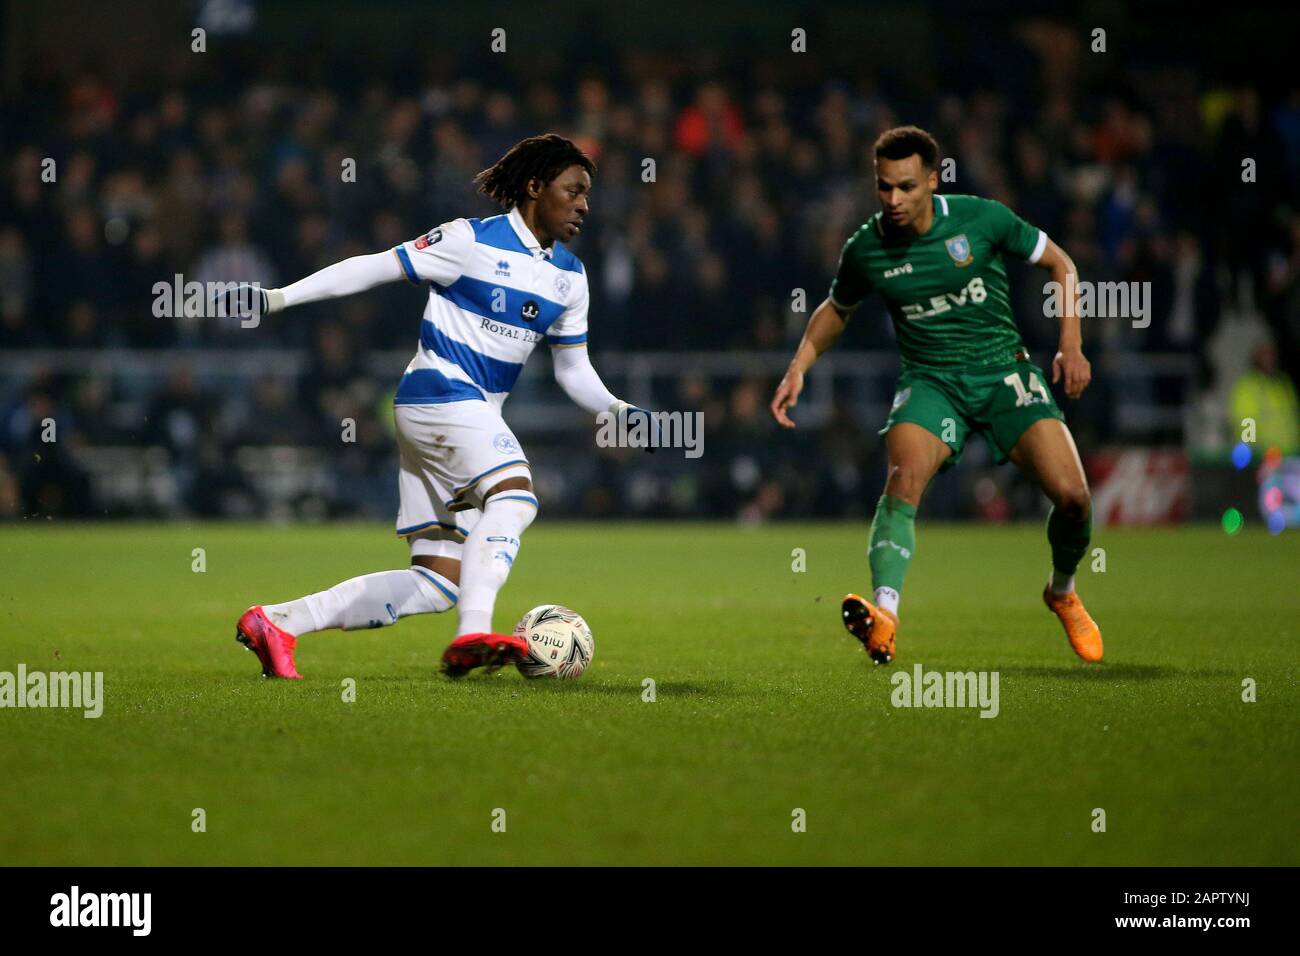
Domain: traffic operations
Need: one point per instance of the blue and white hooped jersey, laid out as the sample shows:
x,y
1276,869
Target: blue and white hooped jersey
x,y
495,293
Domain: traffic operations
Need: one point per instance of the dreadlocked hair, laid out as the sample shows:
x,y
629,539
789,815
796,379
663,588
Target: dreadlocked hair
x,y
542,157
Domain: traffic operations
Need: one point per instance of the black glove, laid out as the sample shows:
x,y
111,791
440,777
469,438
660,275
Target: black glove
x,y
633,416
240,301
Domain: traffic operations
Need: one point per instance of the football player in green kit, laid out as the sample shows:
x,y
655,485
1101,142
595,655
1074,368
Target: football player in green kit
x,y
937,262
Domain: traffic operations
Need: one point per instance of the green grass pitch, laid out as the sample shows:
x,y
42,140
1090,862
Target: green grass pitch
x,y
763,705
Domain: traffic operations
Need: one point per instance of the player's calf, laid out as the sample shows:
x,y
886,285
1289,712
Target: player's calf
x,y
489,554
371,600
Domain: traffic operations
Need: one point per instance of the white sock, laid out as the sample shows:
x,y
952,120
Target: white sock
x,y
372,600
887,600
1062,583
488,555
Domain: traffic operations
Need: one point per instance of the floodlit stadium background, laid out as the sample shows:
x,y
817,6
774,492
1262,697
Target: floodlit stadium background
x,y
226,165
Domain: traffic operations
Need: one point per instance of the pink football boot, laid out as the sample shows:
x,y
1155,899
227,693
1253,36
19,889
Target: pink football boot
x,y
273,647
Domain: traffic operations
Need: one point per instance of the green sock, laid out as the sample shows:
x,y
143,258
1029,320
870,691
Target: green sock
x,y
1069,539
893,540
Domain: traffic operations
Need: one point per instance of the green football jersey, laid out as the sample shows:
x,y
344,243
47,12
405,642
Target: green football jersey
x,y
946,290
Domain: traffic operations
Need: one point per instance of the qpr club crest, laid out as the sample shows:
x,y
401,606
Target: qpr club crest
x,y
959,249
562,286
505,443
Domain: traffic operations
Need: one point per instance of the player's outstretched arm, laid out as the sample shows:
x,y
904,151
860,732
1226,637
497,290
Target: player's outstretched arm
x,y
356,274
1069,362
824,327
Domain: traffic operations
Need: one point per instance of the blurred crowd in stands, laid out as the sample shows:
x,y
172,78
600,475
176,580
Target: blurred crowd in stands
x,y
758,178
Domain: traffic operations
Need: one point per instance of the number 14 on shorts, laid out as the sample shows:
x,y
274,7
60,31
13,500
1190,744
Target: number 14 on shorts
x,y
1026,396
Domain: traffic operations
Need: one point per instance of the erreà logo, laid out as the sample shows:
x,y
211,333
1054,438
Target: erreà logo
x,y
530,310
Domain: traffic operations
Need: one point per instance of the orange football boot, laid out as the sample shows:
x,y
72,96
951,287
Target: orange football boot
x,y
1080,628
873,626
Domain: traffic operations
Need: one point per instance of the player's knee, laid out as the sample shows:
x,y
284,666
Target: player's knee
x,y
1074,500
440,592
448,567
518,483
905,482
517,505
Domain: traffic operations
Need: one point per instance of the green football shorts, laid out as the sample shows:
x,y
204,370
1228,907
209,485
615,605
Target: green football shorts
x,y
999,402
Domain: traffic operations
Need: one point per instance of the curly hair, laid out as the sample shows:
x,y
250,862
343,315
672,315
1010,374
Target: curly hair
x,y
904,141
542,157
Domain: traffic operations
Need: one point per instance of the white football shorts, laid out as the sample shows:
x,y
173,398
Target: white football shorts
x,y
450,454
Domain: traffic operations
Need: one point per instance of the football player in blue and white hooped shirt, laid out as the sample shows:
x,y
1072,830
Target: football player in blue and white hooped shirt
x,y
498,287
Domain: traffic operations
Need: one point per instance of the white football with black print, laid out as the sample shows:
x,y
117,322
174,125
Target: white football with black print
x,y
560,643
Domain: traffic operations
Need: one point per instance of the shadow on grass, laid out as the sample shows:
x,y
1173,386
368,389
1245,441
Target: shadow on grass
x,y
1109,672
505,685
633,689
